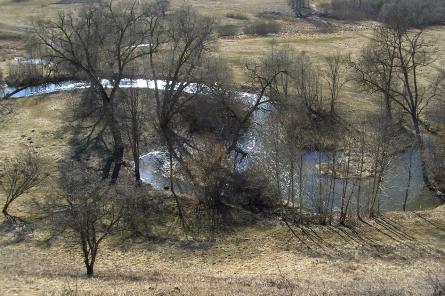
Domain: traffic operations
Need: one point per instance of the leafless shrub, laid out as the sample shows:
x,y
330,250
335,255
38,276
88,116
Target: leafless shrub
x,y
415,13
86,210
143,212
263,28
354,9
162,6
29,73
228,30
227,197
20,175
5,108
211,175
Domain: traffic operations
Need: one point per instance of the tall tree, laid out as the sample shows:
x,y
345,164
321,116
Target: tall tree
x,y
99,42
186,37
394,69
413,96
133,118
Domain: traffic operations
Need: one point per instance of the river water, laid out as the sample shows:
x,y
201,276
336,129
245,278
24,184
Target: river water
x,y
154,165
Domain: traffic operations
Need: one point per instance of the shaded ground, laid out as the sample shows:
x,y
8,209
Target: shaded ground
x,y
397,254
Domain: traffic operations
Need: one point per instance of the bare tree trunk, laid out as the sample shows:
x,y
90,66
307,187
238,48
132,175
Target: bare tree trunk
x,y
333,183
118,149
291,193
5,210
375,184
137,173
388,106
345,189
89,250
423,155
277,162
172,190
300,187
118,155
321,211
360,177
408,185
375,197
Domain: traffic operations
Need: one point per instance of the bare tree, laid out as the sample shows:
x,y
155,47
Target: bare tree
x,y
393,67
382,141
345,183
100,41
361,171
134,115
408,184
21,175
86,210
269,83
279,66
5,108
414,95
375,69
186,39
336,75
308,85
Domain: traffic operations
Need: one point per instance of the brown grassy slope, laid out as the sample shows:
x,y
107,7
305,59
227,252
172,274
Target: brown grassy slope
x,y
397,254
394,255
36,123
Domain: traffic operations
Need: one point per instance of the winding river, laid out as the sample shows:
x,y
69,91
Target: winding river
x,y
154,165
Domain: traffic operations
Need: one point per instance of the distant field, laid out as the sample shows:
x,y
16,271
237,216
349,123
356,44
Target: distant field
x,y
317,37
249,7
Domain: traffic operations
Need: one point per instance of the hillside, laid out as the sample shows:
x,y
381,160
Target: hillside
x,y
322,200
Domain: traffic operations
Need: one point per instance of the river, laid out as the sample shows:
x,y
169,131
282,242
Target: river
x,y
154,165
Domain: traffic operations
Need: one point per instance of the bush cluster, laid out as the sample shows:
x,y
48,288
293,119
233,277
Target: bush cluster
x,y
416,13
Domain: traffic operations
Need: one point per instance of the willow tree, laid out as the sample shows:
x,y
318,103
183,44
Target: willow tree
x,y
98,42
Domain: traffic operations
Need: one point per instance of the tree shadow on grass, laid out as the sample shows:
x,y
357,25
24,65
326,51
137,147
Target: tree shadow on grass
x,y
380,237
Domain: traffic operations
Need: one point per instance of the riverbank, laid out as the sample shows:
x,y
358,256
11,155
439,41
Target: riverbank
x,y
396,254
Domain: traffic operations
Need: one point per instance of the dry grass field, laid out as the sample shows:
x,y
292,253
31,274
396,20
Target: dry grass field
x,y
397,254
